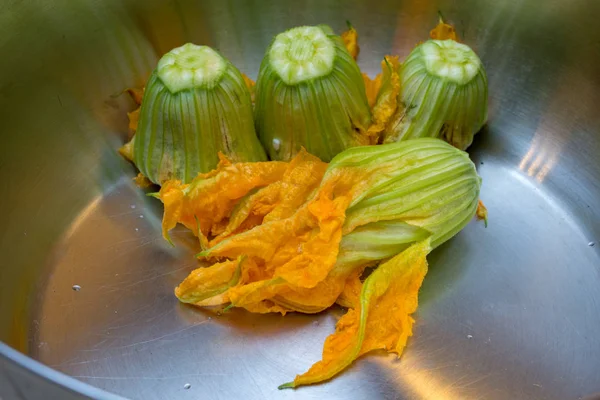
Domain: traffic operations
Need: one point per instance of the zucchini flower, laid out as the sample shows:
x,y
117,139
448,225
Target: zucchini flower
x,y
300,234
196,104
310,93
371,203
443,94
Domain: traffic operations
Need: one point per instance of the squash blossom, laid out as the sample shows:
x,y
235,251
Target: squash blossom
x,y
381,319
310,93
304,219
297,236
443,95
195,105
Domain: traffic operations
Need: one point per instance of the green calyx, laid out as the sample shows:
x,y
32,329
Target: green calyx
x,y
426,184
377,241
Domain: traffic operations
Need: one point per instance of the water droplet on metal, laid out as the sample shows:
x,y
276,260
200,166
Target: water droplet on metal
x,y
187,386
141,216
132,206
591,244
276,144
469,336
137,229
76,288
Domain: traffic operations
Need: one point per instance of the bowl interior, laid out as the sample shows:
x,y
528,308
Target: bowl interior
x,y
510,311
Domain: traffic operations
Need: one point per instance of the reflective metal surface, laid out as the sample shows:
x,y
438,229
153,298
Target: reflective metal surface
x,y
511,311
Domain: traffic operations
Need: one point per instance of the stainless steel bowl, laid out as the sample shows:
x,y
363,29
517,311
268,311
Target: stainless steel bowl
x,y
511,311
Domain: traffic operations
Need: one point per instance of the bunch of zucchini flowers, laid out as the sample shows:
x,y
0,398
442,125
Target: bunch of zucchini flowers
x,y
366,176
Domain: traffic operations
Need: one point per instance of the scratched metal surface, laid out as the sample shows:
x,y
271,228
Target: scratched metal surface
x,y
511,311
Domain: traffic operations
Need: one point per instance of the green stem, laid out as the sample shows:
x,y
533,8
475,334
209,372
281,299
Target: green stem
x,y
288,385
441,19
450,60
191,66
302,54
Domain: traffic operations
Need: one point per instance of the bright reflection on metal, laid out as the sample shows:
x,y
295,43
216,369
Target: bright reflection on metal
x,y
424,383
552,134
542,155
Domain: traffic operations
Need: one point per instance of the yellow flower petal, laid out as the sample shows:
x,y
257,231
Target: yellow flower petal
x,y
207,282
280,199
382,319
266,307
303,248
142,182
218,300
250,84
350,38
136,94
372,87
482,212
386,103
443,31
134,118
126,151
350,295
172,196
210,198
